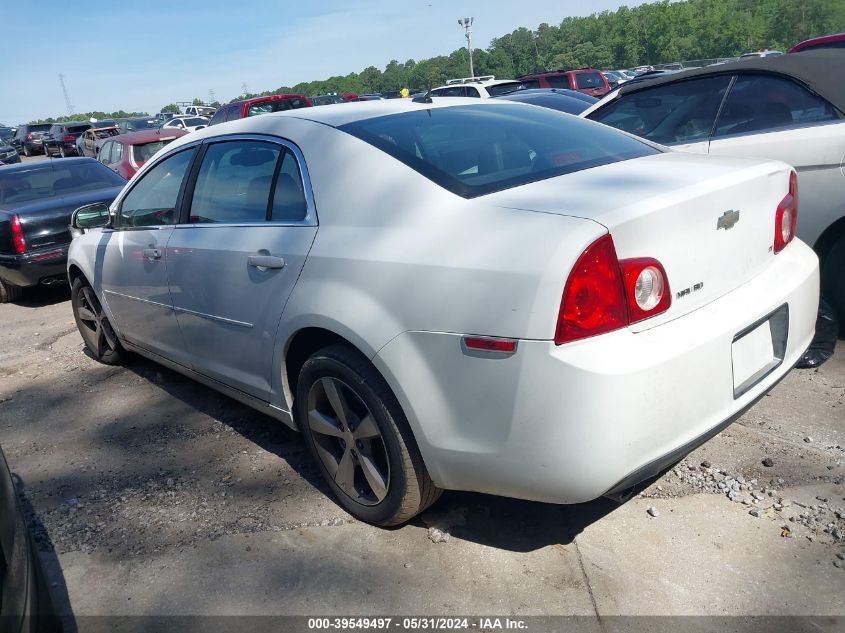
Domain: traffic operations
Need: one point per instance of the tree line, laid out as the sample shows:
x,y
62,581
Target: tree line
x,y
87,116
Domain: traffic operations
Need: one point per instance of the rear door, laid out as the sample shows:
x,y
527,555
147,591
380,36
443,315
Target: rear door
x,y
233,264
134,258
765,116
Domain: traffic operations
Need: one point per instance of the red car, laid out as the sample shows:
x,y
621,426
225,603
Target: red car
x,y
827,41
587,80
126,153
259,105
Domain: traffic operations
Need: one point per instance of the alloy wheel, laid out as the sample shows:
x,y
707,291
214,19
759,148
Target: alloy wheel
x,y
92,317
348,441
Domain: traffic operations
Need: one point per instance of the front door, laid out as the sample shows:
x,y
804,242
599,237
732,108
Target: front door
x,y
134,270
234,263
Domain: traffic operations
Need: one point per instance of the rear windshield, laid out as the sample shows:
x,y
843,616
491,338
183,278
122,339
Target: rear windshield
x,y
141,124
275,106
478,149
500,89
195,121
589,80
47,182
77,129
39,128
142,153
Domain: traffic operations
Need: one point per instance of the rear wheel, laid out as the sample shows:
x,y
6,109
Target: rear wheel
x,y
356,430
93,324
27,151
833,280
9,292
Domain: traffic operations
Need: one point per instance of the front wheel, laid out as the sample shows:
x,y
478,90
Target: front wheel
x,y
93,324
354,427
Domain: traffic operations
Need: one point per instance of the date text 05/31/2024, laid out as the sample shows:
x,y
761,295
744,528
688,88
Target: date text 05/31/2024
x,y
417,623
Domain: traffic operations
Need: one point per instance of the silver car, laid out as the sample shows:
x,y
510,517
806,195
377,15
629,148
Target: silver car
x,y
455,293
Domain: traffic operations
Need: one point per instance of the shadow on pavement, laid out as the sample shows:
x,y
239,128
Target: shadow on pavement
x,y
40,296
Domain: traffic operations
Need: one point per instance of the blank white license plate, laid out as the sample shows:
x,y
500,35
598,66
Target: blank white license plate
x,y
753,355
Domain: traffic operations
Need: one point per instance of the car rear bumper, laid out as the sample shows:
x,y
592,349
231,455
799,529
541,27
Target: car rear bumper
x,y
569,423
35,266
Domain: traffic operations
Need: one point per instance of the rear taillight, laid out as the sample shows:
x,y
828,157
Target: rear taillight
x,y
603,294
786,215
69,137
29,136
593,300
646,288
18,241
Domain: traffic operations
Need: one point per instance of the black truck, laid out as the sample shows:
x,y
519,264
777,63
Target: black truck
x,y
36,203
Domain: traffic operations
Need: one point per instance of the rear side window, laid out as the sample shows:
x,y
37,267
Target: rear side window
x,y
758,103
152,201
288,195
558,81
478,149
234,182
589,80
682,112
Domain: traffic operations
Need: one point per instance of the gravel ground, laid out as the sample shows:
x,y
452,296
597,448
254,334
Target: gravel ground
x,y
137,463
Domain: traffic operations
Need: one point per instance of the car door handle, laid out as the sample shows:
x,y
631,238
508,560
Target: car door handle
x,y
266,261
152,253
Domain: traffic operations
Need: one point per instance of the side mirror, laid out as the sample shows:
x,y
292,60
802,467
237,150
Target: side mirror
x,y
91,216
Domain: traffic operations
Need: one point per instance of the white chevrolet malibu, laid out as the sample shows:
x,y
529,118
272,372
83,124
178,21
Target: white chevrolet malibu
x,y
454,295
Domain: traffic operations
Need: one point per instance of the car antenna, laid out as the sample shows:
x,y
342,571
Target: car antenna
x,y
426,98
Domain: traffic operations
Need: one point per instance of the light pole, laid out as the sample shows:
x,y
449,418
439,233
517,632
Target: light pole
x,y
467,24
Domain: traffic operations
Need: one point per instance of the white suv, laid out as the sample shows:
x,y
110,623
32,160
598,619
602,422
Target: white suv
x,y
483,87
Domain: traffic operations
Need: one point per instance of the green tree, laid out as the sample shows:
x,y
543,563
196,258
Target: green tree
x,y
171,107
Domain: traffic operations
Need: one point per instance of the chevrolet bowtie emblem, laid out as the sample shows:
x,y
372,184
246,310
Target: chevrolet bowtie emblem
x,y
727,220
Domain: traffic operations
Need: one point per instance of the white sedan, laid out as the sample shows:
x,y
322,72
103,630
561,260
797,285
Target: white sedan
x,y
455,294
189,124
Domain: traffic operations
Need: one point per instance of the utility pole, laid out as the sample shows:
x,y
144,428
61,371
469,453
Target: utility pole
x,y
245,88
211,95
467,24
68,105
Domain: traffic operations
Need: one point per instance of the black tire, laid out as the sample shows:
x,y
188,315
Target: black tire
x,y
9,292
26,151
833,280
409,488
94,326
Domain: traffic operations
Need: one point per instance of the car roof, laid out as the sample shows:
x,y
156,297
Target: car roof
x,y
278,97
338,114
147,136
815,41
811,68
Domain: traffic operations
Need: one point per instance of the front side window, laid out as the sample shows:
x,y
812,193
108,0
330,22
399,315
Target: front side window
x,y
105,153
234,182
682,112
758,103
152,201
477,149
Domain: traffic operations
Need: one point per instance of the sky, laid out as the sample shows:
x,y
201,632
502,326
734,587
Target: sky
x,y
142,55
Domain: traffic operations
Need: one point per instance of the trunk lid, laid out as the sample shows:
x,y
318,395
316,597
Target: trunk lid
x,y
45,222
710,222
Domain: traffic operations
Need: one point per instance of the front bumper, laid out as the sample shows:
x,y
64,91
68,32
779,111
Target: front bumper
x,y
10,158
34,266
567,424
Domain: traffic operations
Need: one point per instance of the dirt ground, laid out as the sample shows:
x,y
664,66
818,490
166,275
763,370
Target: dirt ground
x,y
151,494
